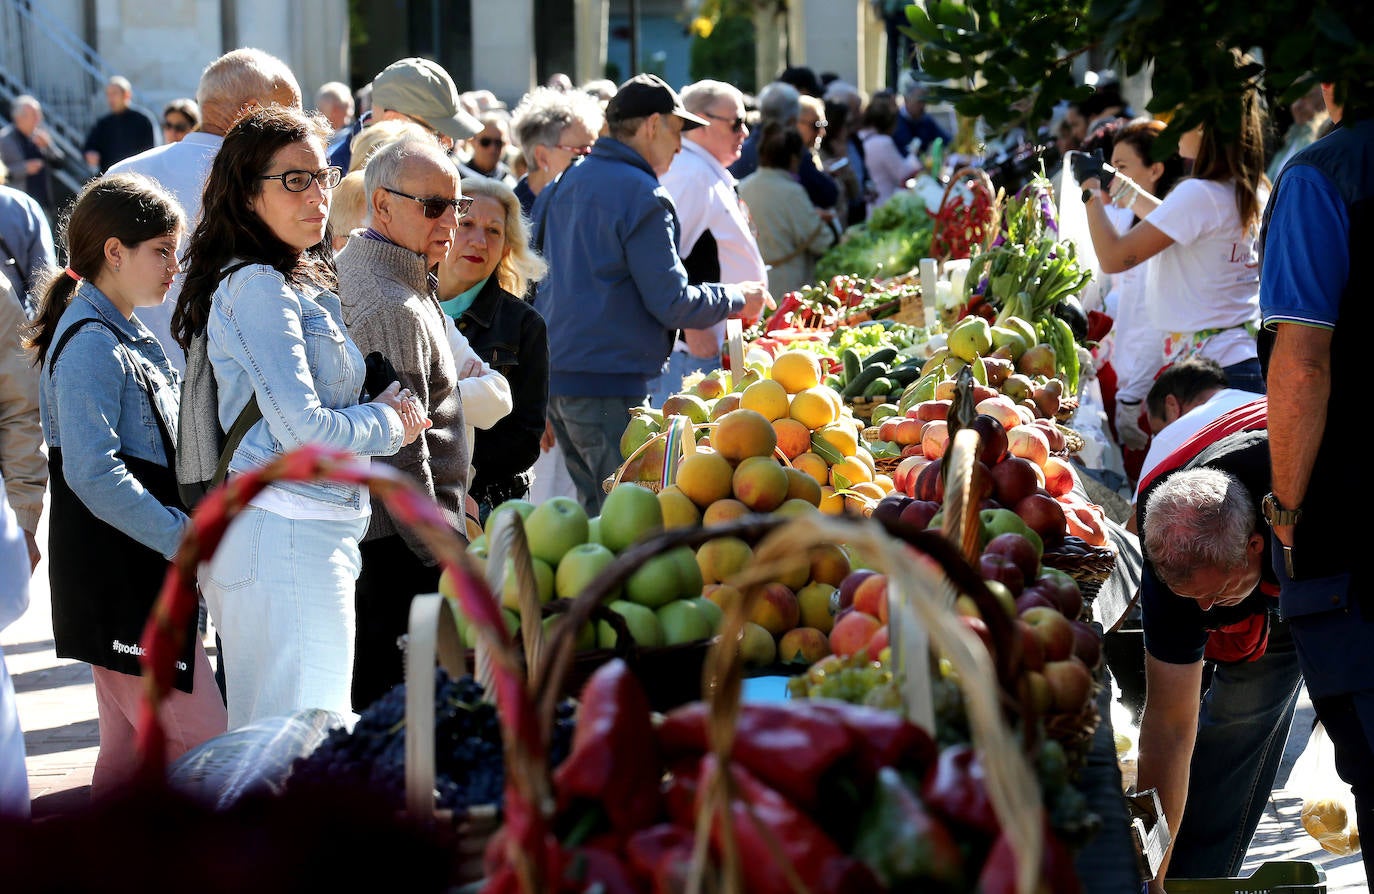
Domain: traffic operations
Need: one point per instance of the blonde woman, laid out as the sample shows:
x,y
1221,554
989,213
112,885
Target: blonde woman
x,y
488,269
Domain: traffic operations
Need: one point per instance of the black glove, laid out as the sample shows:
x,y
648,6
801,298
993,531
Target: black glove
x,y
1087,167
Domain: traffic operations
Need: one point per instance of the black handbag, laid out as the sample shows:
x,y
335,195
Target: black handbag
x,y
104,583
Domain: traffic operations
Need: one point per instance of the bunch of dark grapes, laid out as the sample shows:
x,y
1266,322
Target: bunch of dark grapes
x,y
468,763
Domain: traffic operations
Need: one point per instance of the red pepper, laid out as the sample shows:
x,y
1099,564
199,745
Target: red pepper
x,y
799,841
881,738
780,318
787,746
1056,876
680,791
614,760
955,788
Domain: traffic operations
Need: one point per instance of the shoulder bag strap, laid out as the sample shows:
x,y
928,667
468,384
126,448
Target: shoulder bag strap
x,y
247,417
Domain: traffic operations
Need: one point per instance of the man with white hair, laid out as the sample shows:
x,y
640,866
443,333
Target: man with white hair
x,y
781,102
127,130
232,84
28,151
716,241
553,130
335,101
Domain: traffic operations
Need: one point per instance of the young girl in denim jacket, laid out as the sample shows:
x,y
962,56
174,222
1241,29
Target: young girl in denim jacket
x,y
109,403
260,286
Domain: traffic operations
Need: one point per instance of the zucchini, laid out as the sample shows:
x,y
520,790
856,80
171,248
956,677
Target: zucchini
x,y
852,365
882,355
856,386
905,374
880,387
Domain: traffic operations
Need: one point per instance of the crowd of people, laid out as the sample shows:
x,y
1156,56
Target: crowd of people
x,y
479,295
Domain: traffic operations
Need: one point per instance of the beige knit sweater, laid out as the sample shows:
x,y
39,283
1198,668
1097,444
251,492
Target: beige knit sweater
x,y
389,306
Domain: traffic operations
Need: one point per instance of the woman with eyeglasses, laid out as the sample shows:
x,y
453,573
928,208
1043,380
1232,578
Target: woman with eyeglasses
x,y
261,288
109,402
488,148
179,117
553,129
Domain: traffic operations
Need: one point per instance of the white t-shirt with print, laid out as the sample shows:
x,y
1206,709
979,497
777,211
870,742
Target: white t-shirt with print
x,y
1209,277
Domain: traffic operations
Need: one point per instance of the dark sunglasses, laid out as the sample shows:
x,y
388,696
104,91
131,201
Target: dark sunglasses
x,y
299,181
178,126
488,142
736,124
435,208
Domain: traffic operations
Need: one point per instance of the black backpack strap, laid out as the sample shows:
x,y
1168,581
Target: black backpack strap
x,y
247,418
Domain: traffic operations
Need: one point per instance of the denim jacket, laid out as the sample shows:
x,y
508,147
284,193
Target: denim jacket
x,y
287,345
94,407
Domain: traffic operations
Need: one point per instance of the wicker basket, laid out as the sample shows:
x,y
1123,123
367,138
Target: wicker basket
x,y
863,407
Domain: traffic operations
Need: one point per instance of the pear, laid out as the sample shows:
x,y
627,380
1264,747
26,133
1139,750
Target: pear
x,y
1006,337
640,429
751,375
935,362
1017,387
689,405
1028,333
971,338
1038,361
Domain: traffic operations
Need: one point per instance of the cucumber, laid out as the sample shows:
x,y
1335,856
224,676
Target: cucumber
x,y
881,412
905,374
882,355
859,383
880,387
834,382
849,359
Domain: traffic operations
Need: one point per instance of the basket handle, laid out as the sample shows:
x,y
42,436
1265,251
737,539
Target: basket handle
x,y
433,630
734,348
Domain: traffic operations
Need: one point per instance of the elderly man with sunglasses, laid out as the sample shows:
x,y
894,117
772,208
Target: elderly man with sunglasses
x,y
389,305
619,291
718,242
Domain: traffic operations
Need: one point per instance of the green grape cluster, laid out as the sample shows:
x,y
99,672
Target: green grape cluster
x,y
854,679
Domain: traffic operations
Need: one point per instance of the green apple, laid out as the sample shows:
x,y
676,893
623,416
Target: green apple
x,y
586,637
641,621
657,582
690,571
524,507
554,527
469,633
543,578
594,530
579,567
713,612
630,513
684,622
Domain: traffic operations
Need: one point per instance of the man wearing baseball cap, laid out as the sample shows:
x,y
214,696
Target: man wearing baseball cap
x,y
619,290
415,90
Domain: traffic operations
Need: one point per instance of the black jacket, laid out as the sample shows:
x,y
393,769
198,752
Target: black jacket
x,y
509,335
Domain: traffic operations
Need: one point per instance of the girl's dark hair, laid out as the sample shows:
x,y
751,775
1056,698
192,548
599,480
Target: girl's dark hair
x,y
1141,135
230,230
128,207
881,112
1241,156
779,145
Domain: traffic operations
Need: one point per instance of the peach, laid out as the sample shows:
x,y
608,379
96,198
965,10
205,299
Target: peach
x,y
935,439
722,511
1028,442
760,483
829,564
804,644
794,439
929,410
852,632
905,473
777,609
887,429
1059,477
1071,684
907,432
877,643
871,596
1000,408
816,600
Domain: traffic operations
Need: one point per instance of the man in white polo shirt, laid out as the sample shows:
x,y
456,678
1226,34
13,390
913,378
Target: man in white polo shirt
x,y
717,238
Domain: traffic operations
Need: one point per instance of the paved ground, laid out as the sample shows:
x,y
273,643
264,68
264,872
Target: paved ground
x,y
57,711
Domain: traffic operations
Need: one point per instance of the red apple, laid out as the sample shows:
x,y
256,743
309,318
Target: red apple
x,y
1063,590
992,438
877,643
918,513
1034,690
930,483
999,568
1019,549
1013,479
1032,650
1043,514
1033,597
979,627
850,584
1054,630
1087,643
1072,684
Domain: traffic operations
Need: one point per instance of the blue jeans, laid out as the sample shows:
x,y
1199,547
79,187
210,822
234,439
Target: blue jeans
x,y
589,429
680,365
280,591
1245,376
1242,730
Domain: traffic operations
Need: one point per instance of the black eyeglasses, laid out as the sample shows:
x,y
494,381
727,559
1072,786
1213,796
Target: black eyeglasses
x,y
178,126
299,181
736,124
435,207
488,142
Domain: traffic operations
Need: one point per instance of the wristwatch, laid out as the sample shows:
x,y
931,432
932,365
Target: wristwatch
x,y
1275,514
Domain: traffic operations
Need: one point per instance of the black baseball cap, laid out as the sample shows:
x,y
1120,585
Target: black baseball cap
x,y
646,94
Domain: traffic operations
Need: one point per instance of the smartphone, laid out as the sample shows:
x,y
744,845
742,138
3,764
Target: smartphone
x,y
836,165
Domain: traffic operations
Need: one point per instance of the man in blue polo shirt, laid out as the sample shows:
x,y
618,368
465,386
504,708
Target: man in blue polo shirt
x,y
1316,313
